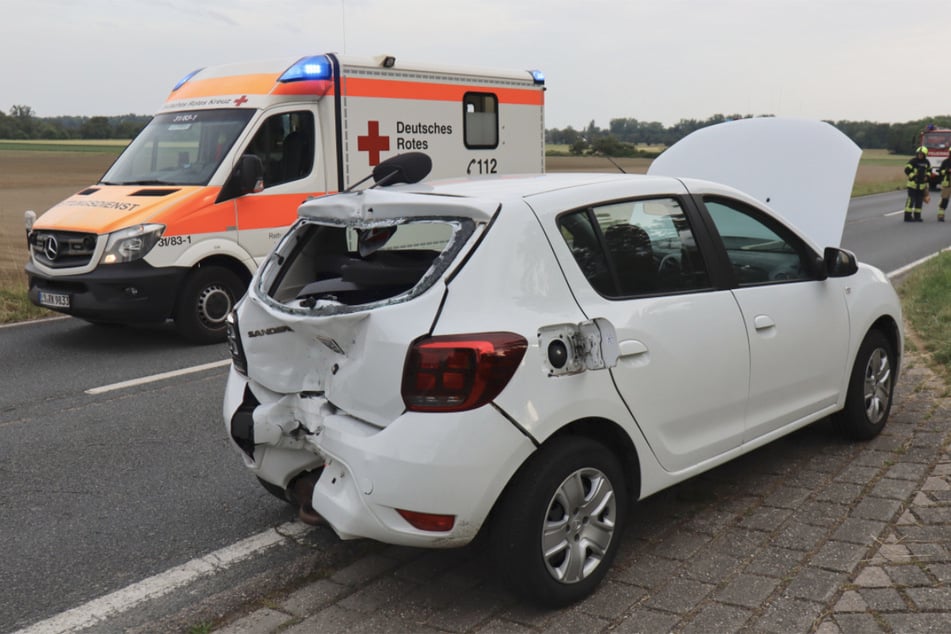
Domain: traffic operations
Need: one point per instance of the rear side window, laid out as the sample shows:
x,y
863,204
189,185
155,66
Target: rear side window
x,y
332,268
641,247
481,120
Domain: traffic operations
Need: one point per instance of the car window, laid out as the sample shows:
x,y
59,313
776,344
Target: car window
x,y
635,248
284,143
760,250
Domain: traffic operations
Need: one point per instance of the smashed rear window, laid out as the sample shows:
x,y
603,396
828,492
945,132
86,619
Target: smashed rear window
x,y
331,268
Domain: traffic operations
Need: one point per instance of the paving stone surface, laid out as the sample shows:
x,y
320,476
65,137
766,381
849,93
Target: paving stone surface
x,y
809,534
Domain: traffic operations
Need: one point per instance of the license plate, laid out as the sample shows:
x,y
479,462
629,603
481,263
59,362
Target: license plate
x,y
54,300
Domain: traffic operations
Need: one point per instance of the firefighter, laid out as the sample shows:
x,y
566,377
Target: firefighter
x,y
918,171
944,173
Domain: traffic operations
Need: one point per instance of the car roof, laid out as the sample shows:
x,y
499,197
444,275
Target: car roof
x,y
480,197
526,185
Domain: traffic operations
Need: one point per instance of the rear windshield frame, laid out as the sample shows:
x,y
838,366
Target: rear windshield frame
x,y
275,268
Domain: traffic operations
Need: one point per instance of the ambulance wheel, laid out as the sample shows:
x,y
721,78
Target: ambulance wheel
x,y
208,295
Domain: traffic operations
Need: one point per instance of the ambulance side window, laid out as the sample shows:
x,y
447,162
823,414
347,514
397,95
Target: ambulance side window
x,y
481,120
285,145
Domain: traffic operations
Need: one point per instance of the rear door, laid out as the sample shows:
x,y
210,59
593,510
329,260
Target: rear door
x,y
350,287
684,365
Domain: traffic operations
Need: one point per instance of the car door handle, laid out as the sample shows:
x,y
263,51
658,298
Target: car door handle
x,y
633,354
632,348
763,322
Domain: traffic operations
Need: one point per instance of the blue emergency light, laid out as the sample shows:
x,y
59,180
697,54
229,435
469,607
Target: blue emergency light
x,y
538,76
186,78
315,67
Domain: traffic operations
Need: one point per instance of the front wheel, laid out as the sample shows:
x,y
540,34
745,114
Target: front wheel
x,y
208,295
871,386
557,528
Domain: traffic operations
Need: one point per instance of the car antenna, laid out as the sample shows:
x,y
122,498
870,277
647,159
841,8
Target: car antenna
x,y
410,167
613,162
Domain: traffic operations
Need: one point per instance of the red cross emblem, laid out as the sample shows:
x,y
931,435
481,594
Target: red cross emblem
x,y
243,99
373,143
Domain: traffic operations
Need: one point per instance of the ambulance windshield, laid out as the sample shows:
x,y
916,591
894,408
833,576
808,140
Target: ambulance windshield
x,y
179,148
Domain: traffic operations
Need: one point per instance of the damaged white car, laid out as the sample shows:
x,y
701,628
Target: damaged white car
x,y
527,356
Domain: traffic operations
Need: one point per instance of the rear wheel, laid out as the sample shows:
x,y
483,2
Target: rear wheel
x,y
557,527
871,385
208,295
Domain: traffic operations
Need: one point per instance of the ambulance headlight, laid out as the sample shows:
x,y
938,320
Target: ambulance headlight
x,y
132,243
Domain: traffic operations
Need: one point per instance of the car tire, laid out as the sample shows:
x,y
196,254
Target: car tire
x,y
208,295
556,530
871,386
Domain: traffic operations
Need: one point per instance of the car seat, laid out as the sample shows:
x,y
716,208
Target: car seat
x,y
630,250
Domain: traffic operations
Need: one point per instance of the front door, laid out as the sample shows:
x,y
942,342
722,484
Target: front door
x,y
798,325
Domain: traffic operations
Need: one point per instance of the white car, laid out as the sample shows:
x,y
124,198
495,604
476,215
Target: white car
x,y
528,355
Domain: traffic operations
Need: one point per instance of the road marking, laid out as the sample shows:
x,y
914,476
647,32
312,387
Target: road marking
x,y
157,377
33,321
894,213
111,605
908,267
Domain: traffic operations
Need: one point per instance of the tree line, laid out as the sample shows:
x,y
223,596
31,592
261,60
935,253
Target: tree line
x,y
623,137
23,124
626,137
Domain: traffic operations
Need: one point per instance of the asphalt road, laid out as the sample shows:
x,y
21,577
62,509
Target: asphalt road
x,y
875,231
100,491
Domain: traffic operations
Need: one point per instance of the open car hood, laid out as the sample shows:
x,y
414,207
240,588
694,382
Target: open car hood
x,y
802,169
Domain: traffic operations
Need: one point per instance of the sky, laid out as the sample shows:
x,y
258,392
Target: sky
x,y
656,60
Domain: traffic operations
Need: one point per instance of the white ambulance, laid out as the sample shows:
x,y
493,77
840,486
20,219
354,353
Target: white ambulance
x,y
178,224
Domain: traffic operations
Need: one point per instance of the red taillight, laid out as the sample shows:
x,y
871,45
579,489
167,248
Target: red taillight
x,y
452,373
429,521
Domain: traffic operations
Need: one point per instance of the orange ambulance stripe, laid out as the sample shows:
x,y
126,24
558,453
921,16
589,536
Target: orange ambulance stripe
x,y
234,85
309,87
355,87
266,212
391,89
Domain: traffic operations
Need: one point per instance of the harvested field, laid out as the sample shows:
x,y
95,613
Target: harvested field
x,y
39,179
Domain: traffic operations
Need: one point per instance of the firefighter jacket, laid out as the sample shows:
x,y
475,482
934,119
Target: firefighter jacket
x,y
945,172
918,171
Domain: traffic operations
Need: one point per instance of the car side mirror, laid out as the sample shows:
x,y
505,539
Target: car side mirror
x,y
249,174
839,262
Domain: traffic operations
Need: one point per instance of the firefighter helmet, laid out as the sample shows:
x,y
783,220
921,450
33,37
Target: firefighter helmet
x,y
922,150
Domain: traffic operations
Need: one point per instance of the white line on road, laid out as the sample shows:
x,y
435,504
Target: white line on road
x,y
909,267
157,377
114,604
33,322
895,213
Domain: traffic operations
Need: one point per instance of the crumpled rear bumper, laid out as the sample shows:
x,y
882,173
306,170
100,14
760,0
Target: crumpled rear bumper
x,y
448,464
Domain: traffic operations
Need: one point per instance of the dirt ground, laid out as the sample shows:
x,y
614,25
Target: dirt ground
x,y
38,180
